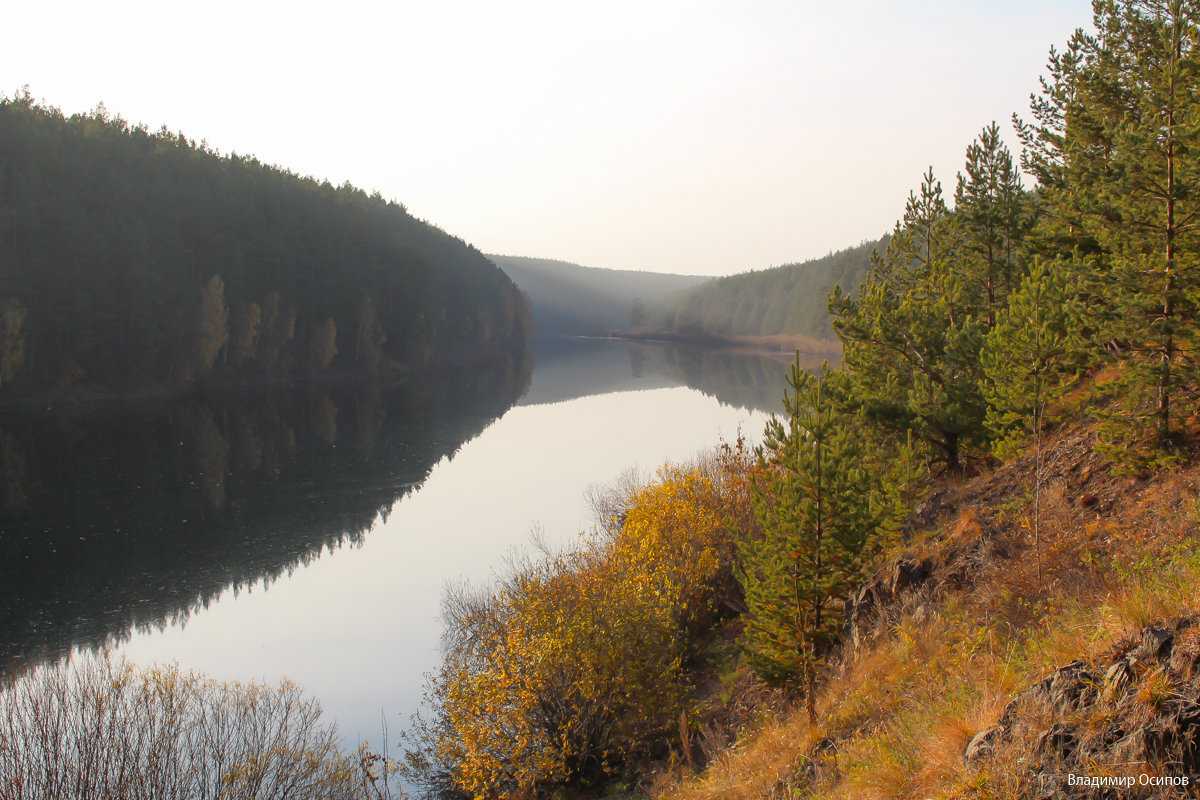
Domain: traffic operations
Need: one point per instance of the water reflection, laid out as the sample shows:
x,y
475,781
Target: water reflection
x,y
142,517
260,536
574,368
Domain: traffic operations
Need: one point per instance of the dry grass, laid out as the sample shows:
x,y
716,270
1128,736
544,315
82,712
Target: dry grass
x,y
902,711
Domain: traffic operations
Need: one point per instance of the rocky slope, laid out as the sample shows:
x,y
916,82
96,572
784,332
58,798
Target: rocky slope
x,y
979,662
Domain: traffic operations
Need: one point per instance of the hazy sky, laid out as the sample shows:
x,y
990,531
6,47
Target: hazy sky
x,y
706,137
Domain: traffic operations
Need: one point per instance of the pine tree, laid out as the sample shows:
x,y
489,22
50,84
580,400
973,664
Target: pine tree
x,y
1028,358
991,216
911,335
1114,145
245,332
637,315
821,522
369,337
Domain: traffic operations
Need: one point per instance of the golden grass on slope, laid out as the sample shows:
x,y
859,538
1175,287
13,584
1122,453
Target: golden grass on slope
x,y
901,712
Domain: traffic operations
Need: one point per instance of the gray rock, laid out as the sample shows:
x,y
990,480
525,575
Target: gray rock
x,y
909,573
1118,679
1068,688
870,603
1071,688
982,745
1156,643
1058,743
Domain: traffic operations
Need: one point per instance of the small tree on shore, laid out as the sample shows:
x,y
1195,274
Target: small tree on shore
x,y
1027,359
822,523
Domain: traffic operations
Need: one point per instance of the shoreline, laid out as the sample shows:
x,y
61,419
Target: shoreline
x,y
85,399
772,346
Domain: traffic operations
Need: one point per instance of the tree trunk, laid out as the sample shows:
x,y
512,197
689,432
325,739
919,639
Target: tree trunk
x,y
1167,356
810,680
1037,490
950,449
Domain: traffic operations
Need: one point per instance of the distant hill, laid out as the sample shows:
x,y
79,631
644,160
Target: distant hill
x,y
572,300
789,300
777,306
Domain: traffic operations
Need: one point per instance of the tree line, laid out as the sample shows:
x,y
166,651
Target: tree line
x,y
134,260
787,300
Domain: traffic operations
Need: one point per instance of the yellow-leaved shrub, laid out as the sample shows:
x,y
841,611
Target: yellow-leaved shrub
x,y
574,665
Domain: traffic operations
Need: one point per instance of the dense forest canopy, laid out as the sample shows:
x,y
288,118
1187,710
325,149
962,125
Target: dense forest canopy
x,y
786,300
572,300
139,260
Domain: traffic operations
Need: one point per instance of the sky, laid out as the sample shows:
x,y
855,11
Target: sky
x,y
706,137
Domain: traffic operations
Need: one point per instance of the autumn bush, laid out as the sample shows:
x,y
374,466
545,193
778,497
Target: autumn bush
x,y
573,667
103,729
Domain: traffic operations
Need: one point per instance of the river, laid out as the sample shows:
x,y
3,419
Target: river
x,y
309,533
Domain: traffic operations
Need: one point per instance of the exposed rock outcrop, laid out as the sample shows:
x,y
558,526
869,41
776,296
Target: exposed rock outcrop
x,y
912,582
1136,712
875,598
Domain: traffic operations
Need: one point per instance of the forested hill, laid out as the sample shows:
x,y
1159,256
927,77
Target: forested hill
x,y
572,300
789,300
140,261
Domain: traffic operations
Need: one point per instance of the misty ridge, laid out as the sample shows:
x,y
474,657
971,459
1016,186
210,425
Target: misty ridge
x,y
776,308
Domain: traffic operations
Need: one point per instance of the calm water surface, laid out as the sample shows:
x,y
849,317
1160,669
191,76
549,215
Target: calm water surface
x,y
310,534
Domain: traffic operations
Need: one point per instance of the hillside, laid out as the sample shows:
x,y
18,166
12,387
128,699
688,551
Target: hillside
x,y
572,300
973,667
134,261
788,300
777,306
